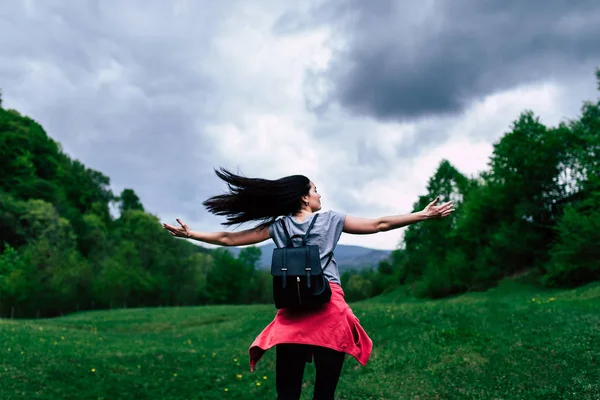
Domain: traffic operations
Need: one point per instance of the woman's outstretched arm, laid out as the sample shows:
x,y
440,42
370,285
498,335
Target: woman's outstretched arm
x,y
364,226
241,238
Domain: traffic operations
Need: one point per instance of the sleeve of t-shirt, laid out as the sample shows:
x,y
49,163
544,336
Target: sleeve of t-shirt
x,y
337,224
272,229
274,232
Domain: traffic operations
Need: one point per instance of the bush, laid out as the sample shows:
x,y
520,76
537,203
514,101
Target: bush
x,y
575,258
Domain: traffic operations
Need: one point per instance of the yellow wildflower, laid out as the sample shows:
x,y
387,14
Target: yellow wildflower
x,y
265,377
257,383
93,369
227,390
239,376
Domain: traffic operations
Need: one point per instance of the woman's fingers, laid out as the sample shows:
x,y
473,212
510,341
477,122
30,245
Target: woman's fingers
x,y
174,230
444,210
434,201
171,227
446,207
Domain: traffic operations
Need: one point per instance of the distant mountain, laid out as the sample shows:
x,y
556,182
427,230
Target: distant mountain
x,y
347,257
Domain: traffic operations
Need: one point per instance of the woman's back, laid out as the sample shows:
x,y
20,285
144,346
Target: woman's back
x,y
325,233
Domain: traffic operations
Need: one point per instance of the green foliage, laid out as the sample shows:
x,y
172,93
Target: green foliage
x,y
62,250
15,280
128,200
428,245
357,287
575,257
249,257
230,280
11,231
260,289
533,210
122,280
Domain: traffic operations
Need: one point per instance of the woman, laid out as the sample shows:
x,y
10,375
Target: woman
x,y
325,334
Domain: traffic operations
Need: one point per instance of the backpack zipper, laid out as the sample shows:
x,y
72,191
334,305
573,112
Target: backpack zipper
x,y
298,286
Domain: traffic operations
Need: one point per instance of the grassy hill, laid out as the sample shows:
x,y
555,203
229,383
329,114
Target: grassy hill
x,y
512,342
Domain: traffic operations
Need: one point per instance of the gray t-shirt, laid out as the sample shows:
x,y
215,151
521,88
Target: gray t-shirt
x,y
326,233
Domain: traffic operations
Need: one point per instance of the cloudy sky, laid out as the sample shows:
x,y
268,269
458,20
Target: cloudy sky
x,y
364,97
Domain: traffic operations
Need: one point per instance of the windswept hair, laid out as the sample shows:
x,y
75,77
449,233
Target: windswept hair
x,y
255,199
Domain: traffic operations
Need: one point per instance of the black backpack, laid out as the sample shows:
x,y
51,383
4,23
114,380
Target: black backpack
x,y
298,280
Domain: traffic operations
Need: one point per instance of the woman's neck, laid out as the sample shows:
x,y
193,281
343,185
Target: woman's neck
x,y
302,214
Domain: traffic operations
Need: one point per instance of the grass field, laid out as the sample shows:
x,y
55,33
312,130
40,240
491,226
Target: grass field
x,y
512,342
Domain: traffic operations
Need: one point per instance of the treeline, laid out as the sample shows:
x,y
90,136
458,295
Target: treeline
x,y
61,250
535,211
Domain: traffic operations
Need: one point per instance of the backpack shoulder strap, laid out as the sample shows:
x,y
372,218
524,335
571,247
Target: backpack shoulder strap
x,y
328,261
287,234
288,239
312,223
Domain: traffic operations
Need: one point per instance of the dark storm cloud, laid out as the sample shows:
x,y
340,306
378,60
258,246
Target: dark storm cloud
x,y
406,60
121,88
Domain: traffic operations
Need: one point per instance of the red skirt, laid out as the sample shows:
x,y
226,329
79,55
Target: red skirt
x,y
334,326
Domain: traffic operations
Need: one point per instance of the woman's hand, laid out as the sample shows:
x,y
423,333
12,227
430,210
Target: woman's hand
x,y
182,231
435,212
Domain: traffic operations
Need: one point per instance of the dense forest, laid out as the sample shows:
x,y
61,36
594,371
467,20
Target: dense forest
x,y
534,212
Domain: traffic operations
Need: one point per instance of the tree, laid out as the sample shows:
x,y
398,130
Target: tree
x,y
15,277
357,288
575,253
260,287
574,258
228,281
12,233
129,201
427,245
250,257
122,281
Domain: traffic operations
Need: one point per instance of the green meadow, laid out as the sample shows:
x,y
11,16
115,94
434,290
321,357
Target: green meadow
x,y
511,342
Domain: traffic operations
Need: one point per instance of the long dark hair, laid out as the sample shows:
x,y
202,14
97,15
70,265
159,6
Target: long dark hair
x,y
256,199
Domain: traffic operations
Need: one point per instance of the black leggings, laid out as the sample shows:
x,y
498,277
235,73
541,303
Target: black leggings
x,y
291,359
